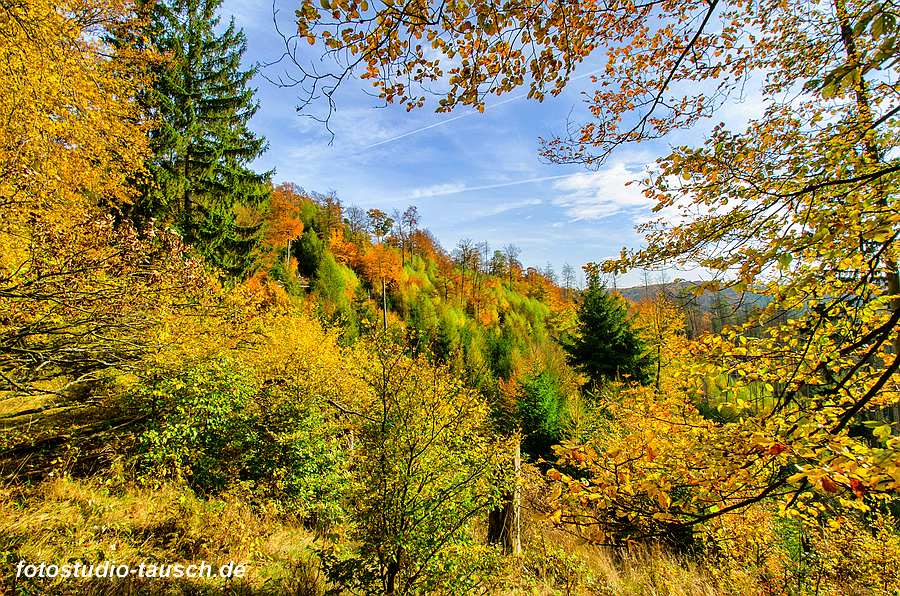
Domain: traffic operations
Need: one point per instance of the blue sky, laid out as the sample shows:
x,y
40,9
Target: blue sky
x,y
471,175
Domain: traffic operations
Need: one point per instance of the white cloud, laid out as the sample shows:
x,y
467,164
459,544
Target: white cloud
x,y
506,207
595,195
436,190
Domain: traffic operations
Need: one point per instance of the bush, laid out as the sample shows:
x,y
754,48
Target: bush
x,y
425,469
198,427
217,427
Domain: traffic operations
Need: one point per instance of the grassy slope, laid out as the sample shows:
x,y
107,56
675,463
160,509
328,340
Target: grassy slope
x,y
61,520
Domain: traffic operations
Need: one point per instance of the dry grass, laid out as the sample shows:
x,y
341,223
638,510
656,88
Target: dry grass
x,y
559,563
63,520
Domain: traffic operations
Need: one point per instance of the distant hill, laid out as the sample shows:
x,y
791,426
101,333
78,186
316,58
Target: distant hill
x,y
682,293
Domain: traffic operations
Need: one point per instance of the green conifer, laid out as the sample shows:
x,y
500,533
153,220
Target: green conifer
x,y
202,143
606,346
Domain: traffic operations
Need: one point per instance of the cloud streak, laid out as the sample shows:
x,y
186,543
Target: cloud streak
x,y
461,116
441,190
439,123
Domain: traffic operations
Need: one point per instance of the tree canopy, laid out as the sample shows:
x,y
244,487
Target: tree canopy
x,y
800,205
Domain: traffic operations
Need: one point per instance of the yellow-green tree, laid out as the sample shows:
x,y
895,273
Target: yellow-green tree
x,y
425,469
75,289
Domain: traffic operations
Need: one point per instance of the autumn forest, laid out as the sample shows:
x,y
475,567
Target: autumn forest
x,y
202,361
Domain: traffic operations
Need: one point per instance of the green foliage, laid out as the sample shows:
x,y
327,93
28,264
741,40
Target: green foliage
x,y
197,428
424,470
331,282
503,348
423,320
606,346
446,340
310,251
297,461
241,410
542,412
287,276
217,427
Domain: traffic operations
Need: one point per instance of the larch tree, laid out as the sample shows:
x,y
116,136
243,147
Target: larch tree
x,y
201,103
380,263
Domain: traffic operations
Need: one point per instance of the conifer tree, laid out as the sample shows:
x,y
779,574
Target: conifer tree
x,y
606,346
202,143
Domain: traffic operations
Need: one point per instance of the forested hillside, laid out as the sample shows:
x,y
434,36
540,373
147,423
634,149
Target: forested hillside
x,y
202,364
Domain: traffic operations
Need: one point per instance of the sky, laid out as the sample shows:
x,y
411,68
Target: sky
x,y
471,175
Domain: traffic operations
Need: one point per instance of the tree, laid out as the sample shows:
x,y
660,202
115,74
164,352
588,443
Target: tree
x,y
513,265
77,292
329,218
568,279
407,223
83,295
202,144
63,76
425,469
379,223
662,326
356,220
606,347
549,273
498,264
380,263
483,252
283,223
541,410
466,256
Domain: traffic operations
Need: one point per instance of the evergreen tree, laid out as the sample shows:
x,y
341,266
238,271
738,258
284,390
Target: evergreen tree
x,y
541,411
202,144
606,346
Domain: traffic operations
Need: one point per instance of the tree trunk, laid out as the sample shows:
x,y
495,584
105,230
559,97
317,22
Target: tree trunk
x,y
391,579
384,302
504,523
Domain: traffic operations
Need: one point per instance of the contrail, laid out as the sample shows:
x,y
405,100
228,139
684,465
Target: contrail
x,y
441,123
461,116
453,191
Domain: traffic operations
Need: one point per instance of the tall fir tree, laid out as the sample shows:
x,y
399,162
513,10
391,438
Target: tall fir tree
x,y
606,345
203,147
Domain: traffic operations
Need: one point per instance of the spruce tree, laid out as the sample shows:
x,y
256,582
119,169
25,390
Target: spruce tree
x,y
202,104
606,345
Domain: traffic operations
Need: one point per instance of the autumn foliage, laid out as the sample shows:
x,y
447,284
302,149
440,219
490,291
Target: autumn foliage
x,y
359,405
